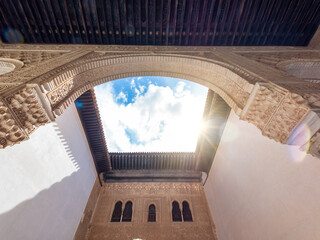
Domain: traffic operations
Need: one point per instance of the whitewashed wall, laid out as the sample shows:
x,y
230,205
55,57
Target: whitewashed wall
x,y
45,182
260,189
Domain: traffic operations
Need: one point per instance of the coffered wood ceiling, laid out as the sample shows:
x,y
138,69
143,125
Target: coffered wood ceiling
x,y
161,22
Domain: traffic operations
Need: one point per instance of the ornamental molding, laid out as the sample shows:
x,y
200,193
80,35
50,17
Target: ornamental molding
x,y
265,96
152,188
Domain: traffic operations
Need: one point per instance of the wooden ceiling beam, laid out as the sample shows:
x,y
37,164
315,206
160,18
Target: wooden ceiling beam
x,y
109,17
247,7
173,20
196,22
294,21
209,23
61,23
218,12
154,14
167,32
70,27
260,13
188,23
34,22
294,4
131,23
29,28
43,28
24,31
79,26
116,21
240,14
159,23
96,20
202,22
123,21
312,17
222,24
183,10
269,21
233,20
47,20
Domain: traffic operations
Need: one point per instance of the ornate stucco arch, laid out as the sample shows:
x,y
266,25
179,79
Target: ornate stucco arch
x,y
260,94
85,74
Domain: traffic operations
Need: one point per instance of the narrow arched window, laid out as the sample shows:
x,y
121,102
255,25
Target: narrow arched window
x,y
117,211
176,212
152,213
187,216
127,213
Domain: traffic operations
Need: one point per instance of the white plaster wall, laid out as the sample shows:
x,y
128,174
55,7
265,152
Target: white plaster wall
x,y
45,182
260,189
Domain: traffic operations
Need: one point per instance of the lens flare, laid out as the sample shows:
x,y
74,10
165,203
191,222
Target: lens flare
x,y
11,35
300,137
230,133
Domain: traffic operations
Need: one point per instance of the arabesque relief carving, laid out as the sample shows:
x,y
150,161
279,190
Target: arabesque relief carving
x,y
21,113
27,109
275,112
275,104
10,133
161,194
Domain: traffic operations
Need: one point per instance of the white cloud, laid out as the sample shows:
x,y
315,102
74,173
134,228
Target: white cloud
x,y
161,119
133,84
122,96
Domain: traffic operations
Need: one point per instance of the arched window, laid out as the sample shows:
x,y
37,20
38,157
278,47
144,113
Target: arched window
x,y
127,213
187,216
117,211
176,212
152,213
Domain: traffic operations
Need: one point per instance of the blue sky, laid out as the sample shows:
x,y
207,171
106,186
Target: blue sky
x,y
150,114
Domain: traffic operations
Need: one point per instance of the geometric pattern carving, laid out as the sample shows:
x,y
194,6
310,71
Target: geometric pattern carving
x,y
90,72
27,109
10,132
20,114
275,104
161,195
274,111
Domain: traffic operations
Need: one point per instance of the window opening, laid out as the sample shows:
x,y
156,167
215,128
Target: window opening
x,y
187,216
152,213
127,213
176,212
117,211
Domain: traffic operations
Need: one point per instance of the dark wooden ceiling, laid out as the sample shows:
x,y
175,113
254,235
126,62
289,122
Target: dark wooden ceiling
x,y
160,22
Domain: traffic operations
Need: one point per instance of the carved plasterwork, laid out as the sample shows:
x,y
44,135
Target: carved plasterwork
x,y
161,194
277,104
274,111
152,188
27,109
10,132
20,114
29,58
95,69
275,59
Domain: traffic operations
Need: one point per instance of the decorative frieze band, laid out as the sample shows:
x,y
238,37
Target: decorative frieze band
x,y
162,187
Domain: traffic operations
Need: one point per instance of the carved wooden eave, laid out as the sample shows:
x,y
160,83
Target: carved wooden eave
x,y
152,175
152,160
214,119
90,117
